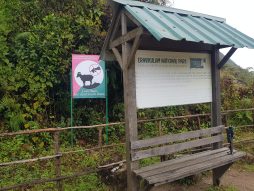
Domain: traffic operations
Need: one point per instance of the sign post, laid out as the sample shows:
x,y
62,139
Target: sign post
x,y
89,80
88,77
71,109
106,92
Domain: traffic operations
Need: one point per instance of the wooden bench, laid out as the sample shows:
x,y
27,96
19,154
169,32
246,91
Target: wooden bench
x,y
186,165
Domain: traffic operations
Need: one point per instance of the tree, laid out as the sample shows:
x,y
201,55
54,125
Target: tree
x,y
35,56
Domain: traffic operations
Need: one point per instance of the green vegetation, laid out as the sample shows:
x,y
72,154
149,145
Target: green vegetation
x,y
71,163
36,46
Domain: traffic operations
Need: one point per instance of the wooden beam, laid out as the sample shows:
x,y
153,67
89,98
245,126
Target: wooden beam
x,y
216,105
126,37
130,108
226,57
29,160
150,43
118,57
105,54
134,48
216,97
116,26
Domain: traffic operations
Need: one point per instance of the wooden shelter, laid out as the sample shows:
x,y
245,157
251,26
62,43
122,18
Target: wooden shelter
x,y
141,26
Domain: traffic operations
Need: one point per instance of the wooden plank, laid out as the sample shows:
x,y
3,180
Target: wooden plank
x,y
195,169
190,162
169,149
226,57
198,168
126,37
180,160
175,137
118,57
131,131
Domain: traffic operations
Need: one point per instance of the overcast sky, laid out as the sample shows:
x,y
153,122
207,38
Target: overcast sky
x,y
239,14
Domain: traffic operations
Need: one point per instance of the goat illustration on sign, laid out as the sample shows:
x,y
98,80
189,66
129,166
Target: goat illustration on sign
x,y
88,76
85,78
94,73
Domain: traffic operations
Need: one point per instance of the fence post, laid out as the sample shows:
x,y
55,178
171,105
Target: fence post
x,y
163,157
253,118
160,129
57,160
226,119
199,123
100,137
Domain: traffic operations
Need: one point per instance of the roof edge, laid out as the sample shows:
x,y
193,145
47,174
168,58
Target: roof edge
x,y
167,9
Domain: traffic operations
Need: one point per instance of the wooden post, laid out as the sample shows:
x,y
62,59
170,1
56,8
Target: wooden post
x,y
163,158
160,128
57,161
253,117
199,123
216,100
216,108
130,108
226,119
99,137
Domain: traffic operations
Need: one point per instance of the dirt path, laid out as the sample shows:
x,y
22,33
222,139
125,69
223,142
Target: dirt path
x,y
241,180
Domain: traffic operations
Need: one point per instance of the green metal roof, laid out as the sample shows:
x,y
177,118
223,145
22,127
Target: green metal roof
x,y
175,24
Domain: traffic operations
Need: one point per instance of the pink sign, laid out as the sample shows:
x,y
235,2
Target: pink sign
x,y
87,76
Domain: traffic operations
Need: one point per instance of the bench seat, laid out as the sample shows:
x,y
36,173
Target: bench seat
x,y
171,170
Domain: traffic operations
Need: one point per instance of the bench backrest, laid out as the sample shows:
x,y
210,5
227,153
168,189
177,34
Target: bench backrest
x,y
169,144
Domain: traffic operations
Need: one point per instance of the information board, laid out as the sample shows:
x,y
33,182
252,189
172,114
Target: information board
x,y
88,79
172,78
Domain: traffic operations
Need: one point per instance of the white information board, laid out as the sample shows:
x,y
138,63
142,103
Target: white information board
x,y
172,78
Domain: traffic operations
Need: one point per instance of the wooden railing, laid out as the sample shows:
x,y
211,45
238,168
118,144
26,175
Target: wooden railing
x,y
58,154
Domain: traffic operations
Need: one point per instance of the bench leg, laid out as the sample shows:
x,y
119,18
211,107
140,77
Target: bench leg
x,y
218,173
147,187
143,185
132,182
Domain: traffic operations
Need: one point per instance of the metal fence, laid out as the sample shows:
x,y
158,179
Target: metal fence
x,y
59,178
